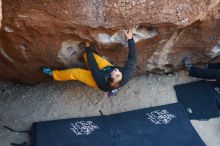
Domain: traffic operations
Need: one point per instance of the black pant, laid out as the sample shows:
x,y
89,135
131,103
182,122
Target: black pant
x,y
211,72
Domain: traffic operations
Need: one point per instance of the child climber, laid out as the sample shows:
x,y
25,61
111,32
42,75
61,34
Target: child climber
x,y
100,74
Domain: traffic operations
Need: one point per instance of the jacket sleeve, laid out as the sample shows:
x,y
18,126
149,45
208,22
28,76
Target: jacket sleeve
x,y
130,65
98,75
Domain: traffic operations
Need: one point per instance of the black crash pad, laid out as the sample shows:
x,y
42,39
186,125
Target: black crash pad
x,y
198,100
216,90
156,126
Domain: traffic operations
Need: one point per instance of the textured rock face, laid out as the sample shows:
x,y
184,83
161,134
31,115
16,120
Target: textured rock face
x,y
48,33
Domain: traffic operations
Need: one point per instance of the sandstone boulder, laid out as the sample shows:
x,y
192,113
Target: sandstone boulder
x,y
49,33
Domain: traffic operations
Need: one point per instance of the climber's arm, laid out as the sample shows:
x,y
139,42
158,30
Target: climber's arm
x,y
130,65
94,68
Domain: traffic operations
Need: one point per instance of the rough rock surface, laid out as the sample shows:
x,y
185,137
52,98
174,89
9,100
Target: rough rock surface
x,y
48,33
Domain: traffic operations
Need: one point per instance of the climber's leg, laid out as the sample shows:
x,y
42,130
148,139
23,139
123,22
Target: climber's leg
x,y
78,74
213,65
102,63
203,73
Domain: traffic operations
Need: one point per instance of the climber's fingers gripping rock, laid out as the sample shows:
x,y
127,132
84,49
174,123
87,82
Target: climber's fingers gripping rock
x,y
128,33
87,44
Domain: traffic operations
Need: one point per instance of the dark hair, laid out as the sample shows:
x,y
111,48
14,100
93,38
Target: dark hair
x,y
117,85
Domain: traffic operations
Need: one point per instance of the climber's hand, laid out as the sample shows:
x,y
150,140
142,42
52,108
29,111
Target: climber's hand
x,y
129,33
87,44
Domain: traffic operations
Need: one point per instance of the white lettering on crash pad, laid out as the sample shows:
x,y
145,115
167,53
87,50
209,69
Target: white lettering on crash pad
x,y
160,117
83,127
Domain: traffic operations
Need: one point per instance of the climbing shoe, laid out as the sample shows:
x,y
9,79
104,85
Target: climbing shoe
x,y
187,62
47,71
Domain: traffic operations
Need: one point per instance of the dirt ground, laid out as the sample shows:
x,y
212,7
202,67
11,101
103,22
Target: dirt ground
x,y
20,105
